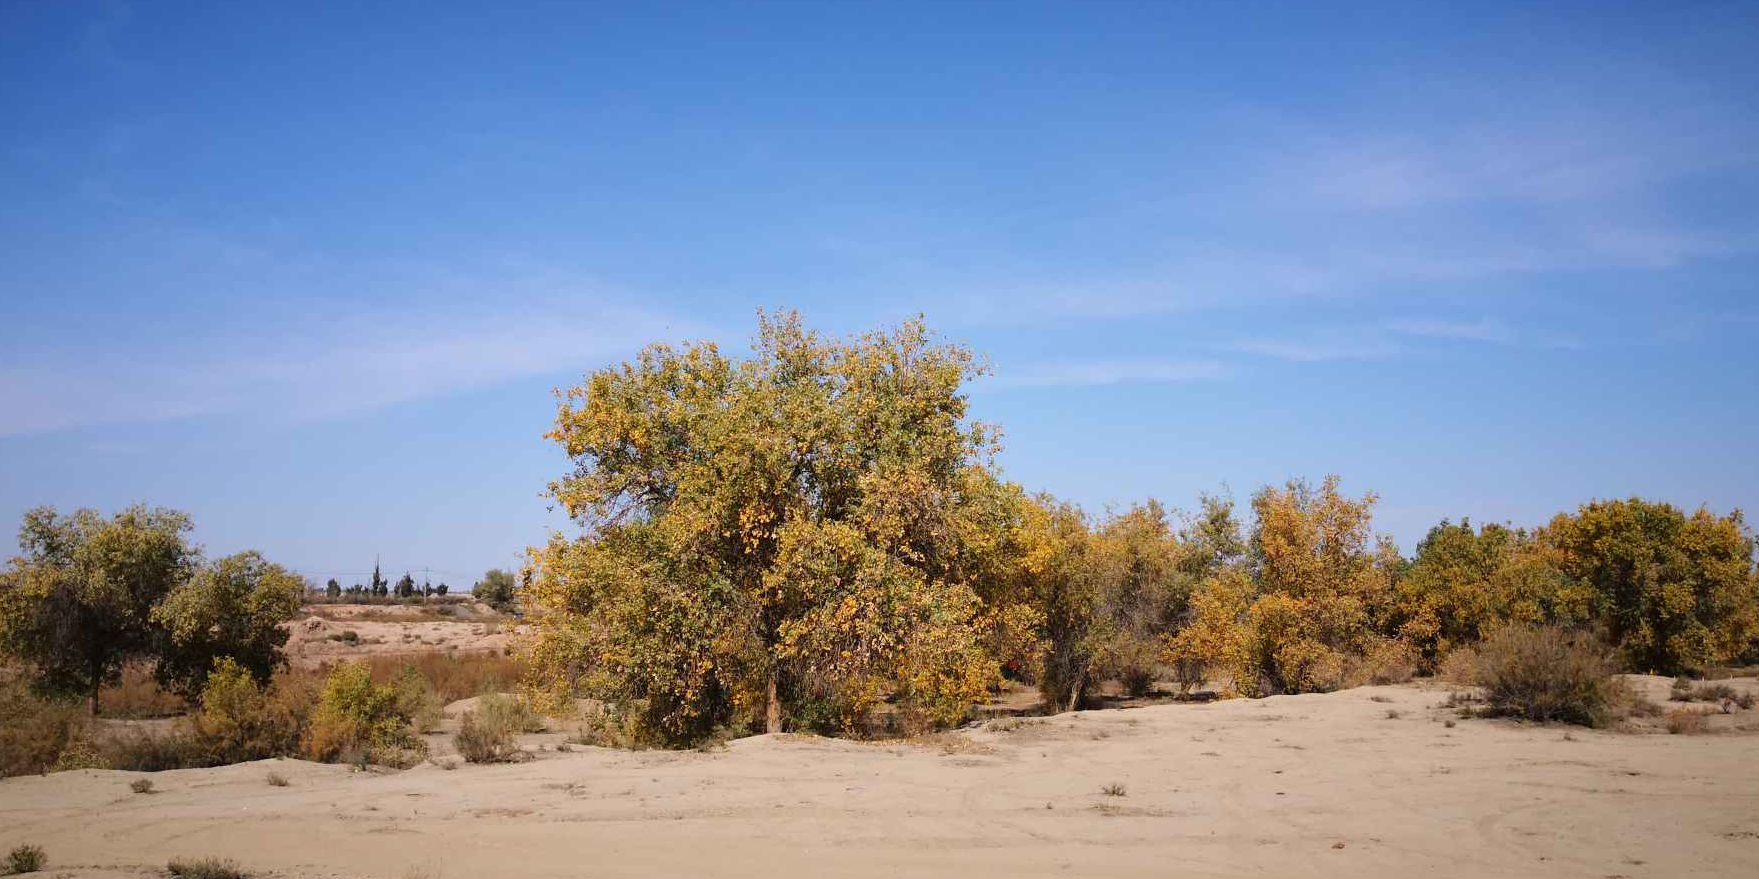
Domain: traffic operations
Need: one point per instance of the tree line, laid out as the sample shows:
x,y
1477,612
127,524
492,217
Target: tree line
x,y
818,534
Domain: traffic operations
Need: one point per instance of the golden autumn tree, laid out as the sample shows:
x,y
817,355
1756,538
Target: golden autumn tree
x,y
1308,604
790,538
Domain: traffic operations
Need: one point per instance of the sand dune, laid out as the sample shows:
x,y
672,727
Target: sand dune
x,y
1319,785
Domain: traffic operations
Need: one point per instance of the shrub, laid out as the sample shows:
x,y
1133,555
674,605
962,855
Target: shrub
x,y
1685,722
1547,674
482,740
141,785
276,779
240,720
348,636
487,735
356,718
1113,790
416,699
34,731
206,868
142,751
511,712
1460,666
25,859
454,676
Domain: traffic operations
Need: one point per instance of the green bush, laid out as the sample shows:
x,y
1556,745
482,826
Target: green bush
x,y
25,859
416,699
1547,674
358,720
240,720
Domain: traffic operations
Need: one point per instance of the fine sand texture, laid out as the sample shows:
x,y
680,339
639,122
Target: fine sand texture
x,y
1317,785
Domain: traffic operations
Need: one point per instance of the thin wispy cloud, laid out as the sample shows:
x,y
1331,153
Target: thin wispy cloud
x,y
1484,330
1066,373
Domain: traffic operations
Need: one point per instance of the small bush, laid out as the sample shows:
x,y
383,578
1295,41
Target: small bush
x,y
1460,666
487,735
241,720
1685,722
348,636
357,719
1547,674
276,779
1113,790
142,751
416,699
141,785
1682,689
206,868
1640,707
1393,714
510,711
25,859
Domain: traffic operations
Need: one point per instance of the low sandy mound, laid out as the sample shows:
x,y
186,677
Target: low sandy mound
x,y
1379,781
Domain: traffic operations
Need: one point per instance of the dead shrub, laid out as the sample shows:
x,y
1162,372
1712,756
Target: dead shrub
x,y
206,868
1685,722
34,731
454,676
276,779
141,785
1113,790
1460,666
1547,674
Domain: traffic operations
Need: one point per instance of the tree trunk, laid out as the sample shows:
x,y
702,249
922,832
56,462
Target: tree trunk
x,y
1075,689
92,700
773,716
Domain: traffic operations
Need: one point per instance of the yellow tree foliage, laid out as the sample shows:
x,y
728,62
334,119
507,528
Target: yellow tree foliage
x,y
787,534
1673,591
1319,585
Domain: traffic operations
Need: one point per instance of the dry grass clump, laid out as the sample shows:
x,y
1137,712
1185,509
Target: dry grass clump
x,y
1114,790
276,779
1547,674
139,695
1460,666
1685,722
25,859
206,868
34,732
141,785
454,676
1725,696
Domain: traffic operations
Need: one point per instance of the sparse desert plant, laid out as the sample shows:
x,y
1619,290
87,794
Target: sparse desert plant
x,y
206,868
276,779
1380,698
347,636
1641,707
1547,674
1681,690
25,859
1114,790
1685,722
1393,714
141,785
1448,723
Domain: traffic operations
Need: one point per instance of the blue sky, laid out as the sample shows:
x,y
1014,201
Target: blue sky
x,y
309,271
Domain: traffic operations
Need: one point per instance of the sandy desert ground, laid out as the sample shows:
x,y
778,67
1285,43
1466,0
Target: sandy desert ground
x,y
1317,785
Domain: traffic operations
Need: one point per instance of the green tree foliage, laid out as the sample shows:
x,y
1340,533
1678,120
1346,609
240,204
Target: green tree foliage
x,y
1673,591
1465,584
333,589
405,586
778,537
233,609
77,603
379,586
497,588
358,721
